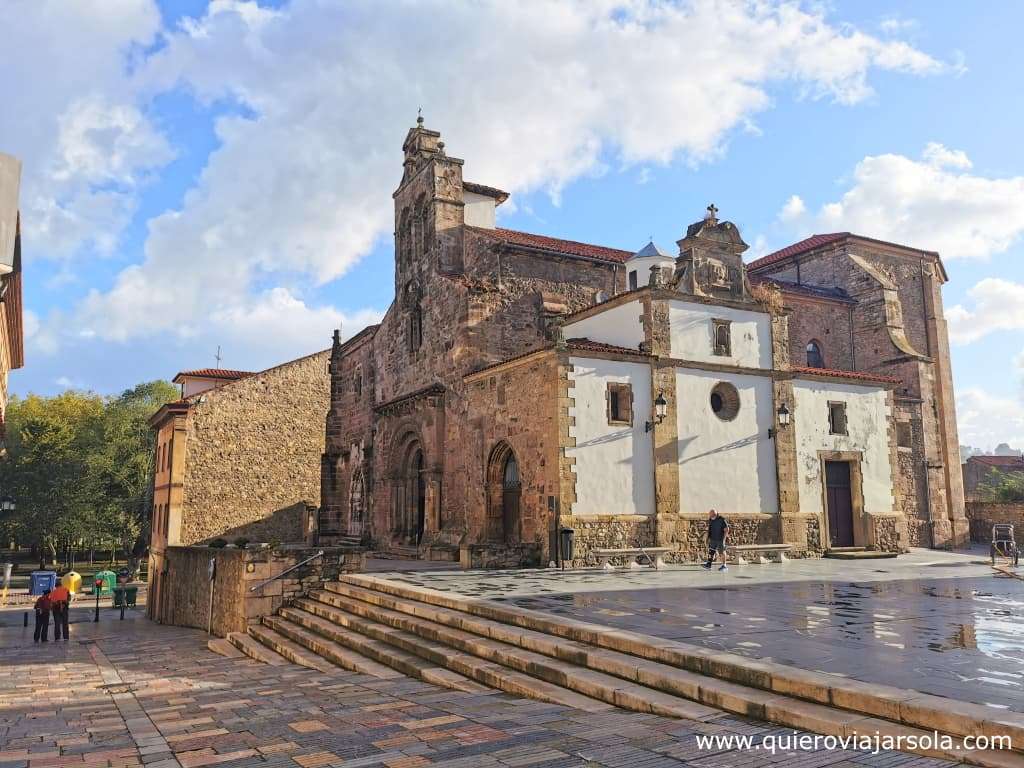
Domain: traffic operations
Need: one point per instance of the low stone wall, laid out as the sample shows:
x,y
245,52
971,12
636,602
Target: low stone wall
x,y
499,556
982,515
186,600
607,532
889,533
691,534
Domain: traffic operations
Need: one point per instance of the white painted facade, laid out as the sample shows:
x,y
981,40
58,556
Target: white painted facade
x,y
478,210
614,463
642,267
621,325
692,334
867,417
728,465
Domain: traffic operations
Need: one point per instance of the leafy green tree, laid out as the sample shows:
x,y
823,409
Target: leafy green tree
x,y
1002,486
79,468
49,442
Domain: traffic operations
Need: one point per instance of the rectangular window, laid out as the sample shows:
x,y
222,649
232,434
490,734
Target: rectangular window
x,y
721,337
357,383
837,418
620,404
632,279
904,434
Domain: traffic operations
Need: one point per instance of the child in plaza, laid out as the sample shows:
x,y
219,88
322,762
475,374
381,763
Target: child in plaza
x,y
60,598
718,530
43,617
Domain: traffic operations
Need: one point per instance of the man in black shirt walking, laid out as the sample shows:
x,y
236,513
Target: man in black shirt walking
x,y
718,530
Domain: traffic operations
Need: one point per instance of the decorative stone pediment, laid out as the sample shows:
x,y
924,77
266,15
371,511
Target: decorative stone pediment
x,y
710,261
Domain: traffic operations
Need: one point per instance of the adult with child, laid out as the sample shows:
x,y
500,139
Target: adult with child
x,y
60,600
43,617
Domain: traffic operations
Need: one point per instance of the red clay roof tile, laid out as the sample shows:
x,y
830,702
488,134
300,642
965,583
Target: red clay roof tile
x,y
835,373
556,245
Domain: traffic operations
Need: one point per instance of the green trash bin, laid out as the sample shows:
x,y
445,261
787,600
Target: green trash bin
x,y
109,579
131,594
119,597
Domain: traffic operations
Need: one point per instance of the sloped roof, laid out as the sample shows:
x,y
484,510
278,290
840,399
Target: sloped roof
x,y
818,241
835,373
651,250
1002,462
807,244
212,373
586,345
499,195
802,289
555,245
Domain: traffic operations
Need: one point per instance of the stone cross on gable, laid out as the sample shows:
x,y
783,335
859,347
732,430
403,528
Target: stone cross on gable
x,y
712,216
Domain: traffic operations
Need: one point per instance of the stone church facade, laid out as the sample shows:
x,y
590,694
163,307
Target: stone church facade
x,y
515,382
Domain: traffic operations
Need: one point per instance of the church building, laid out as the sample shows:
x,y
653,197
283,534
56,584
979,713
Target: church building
x,y
520,383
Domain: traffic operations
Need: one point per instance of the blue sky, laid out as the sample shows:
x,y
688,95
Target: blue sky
x,y
220,174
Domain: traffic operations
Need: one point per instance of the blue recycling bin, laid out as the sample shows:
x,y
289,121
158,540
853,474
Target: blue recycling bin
x,y
40,581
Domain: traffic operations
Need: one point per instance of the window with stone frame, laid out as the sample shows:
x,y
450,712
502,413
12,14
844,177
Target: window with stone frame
x,y
904,435
721,336
814,357
837,419
619,399
357,383
632,280
415,328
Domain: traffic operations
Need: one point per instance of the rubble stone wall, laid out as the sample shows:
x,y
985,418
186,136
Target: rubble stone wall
x,y
253,452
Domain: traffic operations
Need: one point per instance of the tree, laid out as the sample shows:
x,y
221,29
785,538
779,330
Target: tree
x,y
80,467
122,467
1002,486
49,441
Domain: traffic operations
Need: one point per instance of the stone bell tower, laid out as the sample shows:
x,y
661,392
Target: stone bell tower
x,y
428,212
710,261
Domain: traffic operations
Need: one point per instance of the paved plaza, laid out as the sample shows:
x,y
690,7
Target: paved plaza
x,y
943,623
133,693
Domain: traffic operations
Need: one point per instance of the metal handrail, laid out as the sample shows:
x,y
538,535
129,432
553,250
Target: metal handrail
x,y
262,584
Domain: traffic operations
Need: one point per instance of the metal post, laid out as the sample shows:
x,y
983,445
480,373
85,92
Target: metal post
x,y
26,618
96,618
213,575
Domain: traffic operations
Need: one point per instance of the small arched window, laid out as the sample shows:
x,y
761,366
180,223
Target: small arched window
x,y
814,356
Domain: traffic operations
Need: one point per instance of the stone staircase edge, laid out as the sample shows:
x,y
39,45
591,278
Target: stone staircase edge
x,y
847,694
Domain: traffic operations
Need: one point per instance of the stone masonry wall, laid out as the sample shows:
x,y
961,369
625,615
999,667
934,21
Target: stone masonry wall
x,y
253,452
235,604
826,322
984,514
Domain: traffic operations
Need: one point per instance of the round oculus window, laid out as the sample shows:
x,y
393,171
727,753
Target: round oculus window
x,y
725,401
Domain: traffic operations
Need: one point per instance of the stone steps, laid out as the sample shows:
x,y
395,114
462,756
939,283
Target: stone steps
x,y
601,661
427,661
223,646
292,651
858,553
254,649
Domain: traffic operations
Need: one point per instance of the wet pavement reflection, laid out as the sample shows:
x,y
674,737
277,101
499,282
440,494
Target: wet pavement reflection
x,y
963,639
939,622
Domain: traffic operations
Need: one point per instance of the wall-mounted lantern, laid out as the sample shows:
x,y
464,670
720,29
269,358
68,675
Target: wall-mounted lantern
x,y
660,411
782,414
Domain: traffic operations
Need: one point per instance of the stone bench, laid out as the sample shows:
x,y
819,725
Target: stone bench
x,y
761,552
653,555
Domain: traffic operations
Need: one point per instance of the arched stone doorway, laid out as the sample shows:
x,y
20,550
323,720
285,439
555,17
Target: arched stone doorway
x,y
357,504
409,492
504,492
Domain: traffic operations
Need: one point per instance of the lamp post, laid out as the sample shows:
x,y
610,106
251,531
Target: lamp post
x,y
660,411
782,415
96,588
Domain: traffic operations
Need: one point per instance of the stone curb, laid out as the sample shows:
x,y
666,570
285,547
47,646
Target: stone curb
x,y
902,706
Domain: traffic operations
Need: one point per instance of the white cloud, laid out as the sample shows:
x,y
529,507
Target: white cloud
x,y
985,420
533,95
72,115
933,203
301,184
997,305
793,209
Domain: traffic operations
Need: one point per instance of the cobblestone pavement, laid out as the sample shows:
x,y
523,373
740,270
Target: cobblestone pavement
x,y
130,694
943,623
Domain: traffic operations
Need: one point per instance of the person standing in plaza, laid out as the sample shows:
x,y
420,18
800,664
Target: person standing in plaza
x,y
718,530
60,600
43,617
